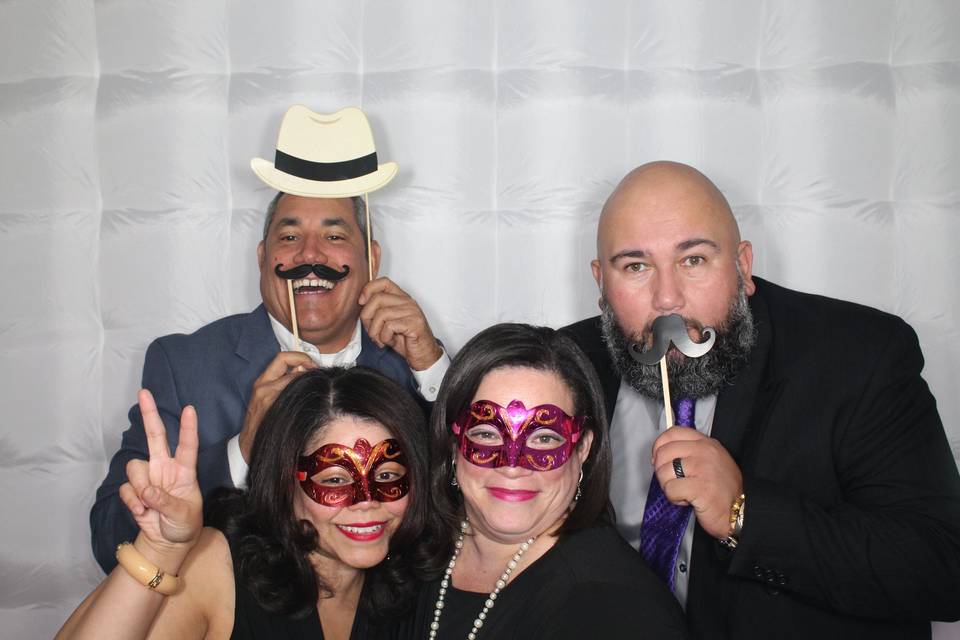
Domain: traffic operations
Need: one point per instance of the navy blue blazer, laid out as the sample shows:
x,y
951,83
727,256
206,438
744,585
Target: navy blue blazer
x,y
212,369
852,523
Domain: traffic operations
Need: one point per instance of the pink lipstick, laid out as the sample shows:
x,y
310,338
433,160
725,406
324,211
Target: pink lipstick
x,y
512,495
363,531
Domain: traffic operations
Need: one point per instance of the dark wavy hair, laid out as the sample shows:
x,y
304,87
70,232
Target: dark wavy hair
x,y
521,345
273,544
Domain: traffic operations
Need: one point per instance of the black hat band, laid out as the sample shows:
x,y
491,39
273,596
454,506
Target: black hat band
x,y
325,171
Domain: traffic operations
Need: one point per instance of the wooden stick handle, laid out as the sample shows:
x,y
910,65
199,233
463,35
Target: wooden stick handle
x,y
366,210
293,316
667,405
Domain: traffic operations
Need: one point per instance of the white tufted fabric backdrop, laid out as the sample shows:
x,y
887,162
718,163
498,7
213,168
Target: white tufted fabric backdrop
x,y
128,210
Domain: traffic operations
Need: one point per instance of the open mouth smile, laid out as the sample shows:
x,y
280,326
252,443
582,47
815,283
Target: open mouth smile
x,y
363,532
312,285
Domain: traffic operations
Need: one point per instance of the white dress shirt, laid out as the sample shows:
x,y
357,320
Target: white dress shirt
x,y
637,422
428,381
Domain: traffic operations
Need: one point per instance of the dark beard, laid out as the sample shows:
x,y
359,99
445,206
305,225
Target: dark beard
x,y
693,377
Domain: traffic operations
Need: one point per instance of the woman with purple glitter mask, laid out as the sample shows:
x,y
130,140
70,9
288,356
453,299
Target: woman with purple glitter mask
x,y
323,542
521,473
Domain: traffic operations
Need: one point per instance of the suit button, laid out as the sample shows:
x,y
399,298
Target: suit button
x,y
781,579
683,567
771,590
770,575
758,571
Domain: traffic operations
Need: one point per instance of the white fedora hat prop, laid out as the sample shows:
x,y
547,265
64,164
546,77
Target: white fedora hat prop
x,y
325,156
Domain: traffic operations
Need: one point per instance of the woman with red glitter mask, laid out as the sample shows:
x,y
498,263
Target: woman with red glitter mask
x,y
321,544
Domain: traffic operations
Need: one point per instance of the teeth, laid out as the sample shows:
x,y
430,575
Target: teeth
x,y
361,530
311,282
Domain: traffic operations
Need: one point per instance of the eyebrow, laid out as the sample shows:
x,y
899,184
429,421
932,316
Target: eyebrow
x,y
629,253
335,222
290,221
695,242
681,246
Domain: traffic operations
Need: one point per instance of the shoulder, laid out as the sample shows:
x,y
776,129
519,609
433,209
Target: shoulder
x,y
588,336
607,576
584,332
216,331
806,325
600,554
209,565
207,595
247,334
786,303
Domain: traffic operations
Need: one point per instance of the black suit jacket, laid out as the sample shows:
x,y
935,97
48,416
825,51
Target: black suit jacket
x,y
852,524
213,369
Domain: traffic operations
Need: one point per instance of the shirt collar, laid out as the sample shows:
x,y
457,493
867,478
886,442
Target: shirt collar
x,y
346,357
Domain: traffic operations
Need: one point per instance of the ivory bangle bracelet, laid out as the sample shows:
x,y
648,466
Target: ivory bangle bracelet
x,y
145,572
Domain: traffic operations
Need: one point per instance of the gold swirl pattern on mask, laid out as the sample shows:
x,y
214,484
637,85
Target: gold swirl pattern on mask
x,y
546,416
533,463
477,457
392,493
362,455
332,498
390,452
483,411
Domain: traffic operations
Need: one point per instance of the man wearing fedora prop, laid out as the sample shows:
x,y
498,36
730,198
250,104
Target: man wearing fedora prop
x,y
232,369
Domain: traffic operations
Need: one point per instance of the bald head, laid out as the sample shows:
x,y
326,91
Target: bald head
x,y
668,243
659,190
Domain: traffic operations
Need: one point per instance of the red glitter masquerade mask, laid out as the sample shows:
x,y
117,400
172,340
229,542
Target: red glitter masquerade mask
x,y
541,438
363,463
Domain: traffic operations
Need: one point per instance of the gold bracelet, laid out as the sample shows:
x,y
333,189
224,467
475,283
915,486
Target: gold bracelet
x,y
736,522
145,572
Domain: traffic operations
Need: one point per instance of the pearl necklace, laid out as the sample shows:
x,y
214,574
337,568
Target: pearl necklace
x,y
491,599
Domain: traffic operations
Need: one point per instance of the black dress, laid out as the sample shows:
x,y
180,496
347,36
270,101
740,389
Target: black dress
x,y
252,622
590,584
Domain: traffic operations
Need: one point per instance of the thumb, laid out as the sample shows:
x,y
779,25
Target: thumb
x,y
180,520
170,507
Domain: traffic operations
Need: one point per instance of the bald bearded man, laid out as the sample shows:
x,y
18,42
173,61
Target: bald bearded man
x,y
824,499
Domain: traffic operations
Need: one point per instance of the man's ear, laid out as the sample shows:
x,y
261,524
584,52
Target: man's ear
x,y
597,273
261,254
745,265
375,257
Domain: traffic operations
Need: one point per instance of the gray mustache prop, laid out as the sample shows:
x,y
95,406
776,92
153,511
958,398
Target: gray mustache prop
x,y
667,329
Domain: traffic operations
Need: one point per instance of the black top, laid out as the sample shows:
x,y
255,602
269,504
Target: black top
x,y
590,584
252,622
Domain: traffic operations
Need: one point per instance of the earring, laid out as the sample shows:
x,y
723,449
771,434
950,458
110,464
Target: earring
x,y
579,482
453,475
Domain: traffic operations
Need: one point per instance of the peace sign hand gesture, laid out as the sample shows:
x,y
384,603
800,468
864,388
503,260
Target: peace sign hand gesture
x,y
162,493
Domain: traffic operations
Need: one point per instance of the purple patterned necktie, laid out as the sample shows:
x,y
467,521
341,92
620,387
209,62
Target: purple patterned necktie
x,y
664,523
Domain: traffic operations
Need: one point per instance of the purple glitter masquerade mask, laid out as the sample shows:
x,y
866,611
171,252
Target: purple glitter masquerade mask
x,y
362,462
541,438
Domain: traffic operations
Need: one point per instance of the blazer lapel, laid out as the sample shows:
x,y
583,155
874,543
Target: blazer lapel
x,y
739,405
256,347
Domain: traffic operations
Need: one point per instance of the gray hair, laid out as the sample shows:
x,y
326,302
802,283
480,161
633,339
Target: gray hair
x,y
359,212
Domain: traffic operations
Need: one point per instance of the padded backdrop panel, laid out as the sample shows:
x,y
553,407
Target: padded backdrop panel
x,y
128,210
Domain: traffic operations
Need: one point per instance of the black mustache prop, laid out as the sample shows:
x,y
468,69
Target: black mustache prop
x,y
672,328
321,271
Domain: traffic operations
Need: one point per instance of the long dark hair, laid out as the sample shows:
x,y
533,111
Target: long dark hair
x,y
272,543
522,345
